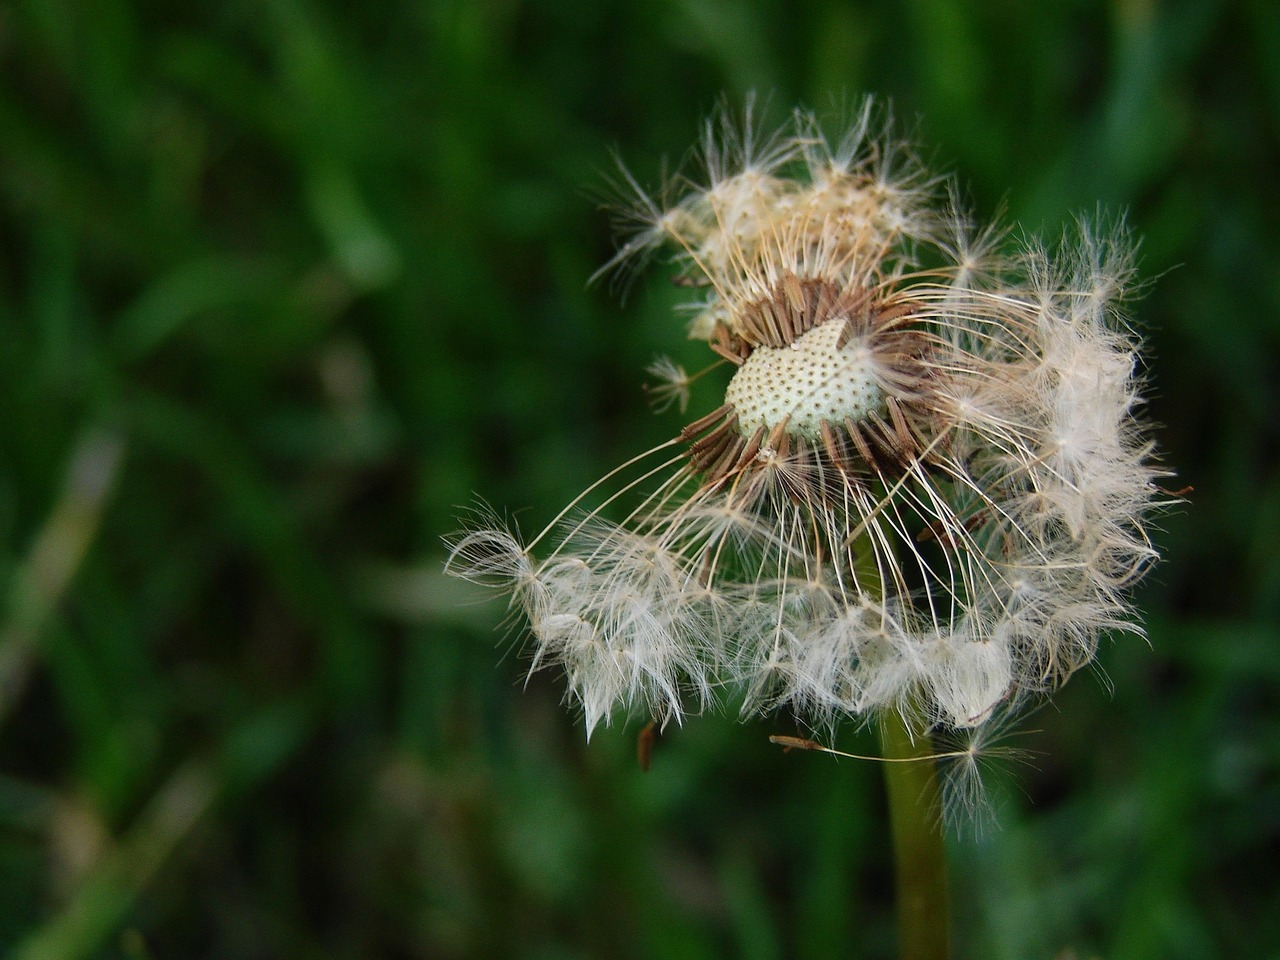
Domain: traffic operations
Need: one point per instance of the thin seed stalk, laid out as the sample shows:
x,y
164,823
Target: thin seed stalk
x,y
919,856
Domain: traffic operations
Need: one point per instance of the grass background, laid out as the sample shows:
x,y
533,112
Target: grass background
x,y
284,283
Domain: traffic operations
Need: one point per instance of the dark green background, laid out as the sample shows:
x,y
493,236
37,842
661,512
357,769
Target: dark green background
x,y
284,284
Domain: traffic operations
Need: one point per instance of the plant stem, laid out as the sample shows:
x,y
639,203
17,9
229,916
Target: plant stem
x,y
920,862
915,810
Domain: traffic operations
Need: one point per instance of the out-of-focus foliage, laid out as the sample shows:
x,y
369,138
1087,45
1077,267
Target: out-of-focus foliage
x,y
283,285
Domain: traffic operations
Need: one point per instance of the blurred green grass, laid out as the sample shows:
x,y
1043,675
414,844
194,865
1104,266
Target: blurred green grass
x,y
284,285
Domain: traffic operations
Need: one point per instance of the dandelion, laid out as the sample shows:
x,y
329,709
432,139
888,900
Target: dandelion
x,y
923,489
918,499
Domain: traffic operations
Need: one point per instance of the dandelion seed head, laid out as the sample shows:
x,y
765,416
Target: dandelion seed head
x,y
925,486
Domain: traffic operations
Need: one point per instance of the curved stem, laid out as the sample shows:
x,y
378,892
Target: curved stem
x,y
919,856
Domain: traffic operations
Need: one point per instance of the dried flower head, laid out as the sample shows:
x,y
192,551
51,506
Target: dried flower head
x,y
924,487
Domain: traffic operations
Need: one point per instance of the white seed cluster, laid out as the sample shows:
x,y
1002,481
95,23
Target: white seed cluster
x,y
956,551
805,383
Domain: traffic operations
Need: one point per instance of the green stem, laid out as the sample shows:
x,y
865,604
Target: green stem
x,y
920,861
915,810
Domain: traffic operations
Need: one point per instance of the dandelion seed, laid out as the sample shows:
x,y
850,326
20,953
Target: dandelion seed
x,y
924,488
966,757
672,388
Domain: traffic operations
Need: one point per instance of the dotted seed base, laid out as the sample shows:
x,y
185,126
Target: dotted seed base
x,y
809,380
